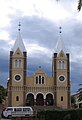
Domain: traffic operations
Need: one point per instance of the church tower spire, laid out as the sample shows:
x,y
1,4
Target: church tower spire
x,y
60,44
19,42
18,65
61,75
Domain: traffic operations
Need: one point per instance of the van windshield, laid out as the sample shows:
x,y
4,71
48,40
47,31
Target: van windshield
x,y
9,109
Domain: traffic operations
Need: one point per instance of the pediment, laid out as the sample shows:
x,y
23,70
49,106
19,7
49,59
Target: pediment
x,y
39,71
18,52
61,54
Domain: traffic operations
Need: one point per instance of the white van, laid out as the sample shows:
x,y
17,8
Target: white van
x,y
17,111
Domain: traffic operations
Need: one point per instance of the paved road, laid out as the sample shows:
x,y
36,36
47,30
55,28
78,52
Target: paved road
x,y
4,119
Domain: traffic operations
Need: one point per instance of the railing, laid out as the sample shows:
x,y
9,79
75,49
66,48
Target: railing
x,y
40,88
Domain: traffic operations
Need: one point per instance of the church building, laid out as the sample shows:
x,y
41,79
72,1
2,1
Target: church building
x,y
39,89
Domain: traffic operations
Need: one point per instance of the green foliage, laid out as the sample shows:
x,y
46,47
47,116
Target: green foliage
x,y
2,93
72,99
79,5
67,117
60,115
1,98
80,94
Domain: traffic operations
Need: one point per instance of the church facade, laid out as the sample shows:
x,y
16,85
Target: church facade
x,y
38,89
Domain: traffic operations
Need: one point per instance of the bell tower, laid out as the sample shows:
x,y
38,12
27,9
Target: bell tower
x,y
61,75
17,82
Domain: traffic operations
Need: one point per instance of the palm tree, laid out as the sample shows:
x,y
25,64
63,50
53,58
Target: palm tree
x,y
79,4
80,93
2,93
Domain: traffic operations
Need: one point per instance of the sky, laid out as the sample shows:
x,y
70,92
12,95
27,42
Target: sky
x,y
40,21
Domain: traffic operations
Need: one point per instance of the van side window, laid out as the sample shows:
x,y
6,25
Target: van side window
x,y
26,109
18,109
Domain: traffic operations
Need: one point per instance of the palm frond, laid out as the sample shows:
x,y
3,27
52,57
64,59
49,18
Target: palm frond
x,y
79,5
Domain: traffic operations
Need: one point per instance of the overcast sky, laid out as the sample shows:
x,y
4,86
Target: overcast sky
x,y
40,22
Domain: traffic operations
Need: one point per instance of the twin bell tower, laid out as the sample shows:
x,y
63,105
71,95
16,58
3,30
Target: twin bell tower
x,y
39,89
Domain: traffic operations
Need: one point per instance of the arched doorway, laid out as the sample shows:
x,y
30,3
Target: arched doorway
x,y
30,99
40,99
49,99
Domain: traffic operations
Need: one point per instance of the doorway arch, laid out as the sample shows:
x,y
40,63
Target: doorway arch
x,y
49,99
30,99
40,99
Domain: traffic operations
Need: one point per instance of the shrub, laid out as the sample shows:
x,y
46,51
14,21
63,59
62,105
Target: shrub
x,y
75,114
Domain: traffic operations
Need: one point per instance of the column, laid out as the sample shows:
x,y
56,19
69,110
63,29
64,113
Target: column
x,y
34,102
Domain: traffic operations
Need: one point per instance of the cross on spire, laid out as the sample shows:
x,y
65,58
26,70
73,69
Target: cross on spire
x,y
39,67
60,44
19,42
60,28
19,26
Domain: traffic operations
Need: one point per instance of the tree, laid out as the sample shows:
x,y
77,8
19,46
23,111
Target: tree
x,y
67,117
2,93
72,100
79,4
80,94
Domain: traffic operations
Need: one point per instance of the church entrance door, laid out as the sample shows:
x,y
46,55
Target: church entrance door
x,y
49,99
30,99
39,99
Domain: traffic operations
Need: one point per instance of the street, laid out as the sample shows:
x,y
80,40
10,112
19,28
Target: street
x,y
4,119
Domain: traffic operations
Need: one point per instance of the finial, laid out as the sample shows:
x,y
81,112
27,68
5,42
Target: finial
x,y
60,28
39,67
57,0
19,26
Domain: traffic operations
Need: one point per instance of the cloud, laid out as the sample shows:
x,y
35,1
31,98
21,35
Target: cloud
x,y
4,78
76,75
35,30
34,64
4,65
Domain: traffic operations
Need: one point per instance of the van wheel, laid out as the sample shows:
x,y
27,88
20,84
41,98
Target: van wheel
x,y
9,116
2,115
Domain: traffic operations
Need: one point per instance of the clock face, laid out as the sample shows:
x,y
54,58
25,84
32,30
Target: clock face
x,y
61,78
17,77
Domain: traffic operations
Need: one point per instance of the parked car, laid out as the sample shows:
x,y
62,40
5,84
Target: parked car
x,y
10,112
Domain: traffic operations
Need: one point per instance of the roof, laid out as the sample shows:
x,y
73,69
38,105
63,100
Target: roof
x,y
60,44
19,44
40,71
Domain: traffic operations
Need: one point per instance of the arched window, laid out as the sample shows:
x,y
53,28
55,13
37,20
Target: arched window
x,y
42,80
19,63
36,79
16,63
61,64
39,79
61,98
17,98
